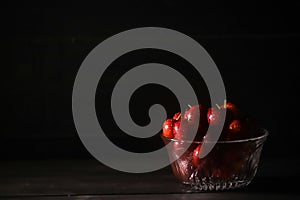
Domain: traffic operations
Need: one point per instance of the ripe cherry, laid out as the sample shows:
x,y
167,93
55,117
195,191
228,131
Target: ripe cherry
x,y
184,166
176,130
177,116
192,115
196,154
238,129
168,128
181,130
213,116
232,110
235,126
194,121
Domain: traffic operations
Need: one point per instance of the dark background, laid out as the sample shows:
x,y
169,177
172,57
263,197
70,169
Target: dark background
x,y
254,45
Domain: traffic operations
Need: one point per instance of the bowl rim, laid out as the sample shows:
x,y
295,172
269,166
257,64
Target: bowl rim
x,y
261,137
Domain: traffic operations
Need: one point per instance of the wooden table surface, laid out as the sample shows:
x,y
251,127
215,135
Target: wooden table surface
x,y
89,179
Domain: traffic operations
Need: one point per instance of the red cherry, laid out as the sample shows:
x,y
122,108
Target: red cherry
x,y
196,154
230,106
187,130
238,129
213,116
232,110
177,116
235,126
181,130
193,118
182,149
196,114
242,129
168,128
192,115
183,167
176,130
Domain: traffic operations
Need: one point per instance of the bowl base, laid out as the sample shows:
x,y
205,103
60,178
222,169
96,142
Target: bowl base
x,y
208,184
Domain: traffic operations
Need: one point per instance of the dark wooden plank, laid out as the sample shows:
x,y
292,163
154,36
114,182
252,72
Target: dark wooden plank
x,y
89,177
206,196
79,177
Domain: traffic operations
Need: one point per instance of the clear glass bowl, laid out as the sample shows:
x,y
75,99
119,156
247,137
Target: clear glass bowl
x,y
229,165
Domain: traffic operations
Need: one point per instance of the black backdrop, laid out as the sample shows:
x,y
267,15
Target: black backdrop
x,y
255,46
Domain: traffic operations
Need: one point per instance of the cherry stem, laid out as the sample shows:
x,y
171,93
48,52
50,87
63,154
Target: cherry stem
x,y
225,103
189,106
178,117
218,106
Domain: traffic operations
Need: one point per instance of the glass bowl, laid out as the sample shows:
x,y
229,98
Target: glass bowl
x,y
229,165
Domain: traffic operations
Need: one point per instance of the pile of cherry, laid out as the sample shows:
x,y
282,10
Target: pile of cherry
x,y
224,160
